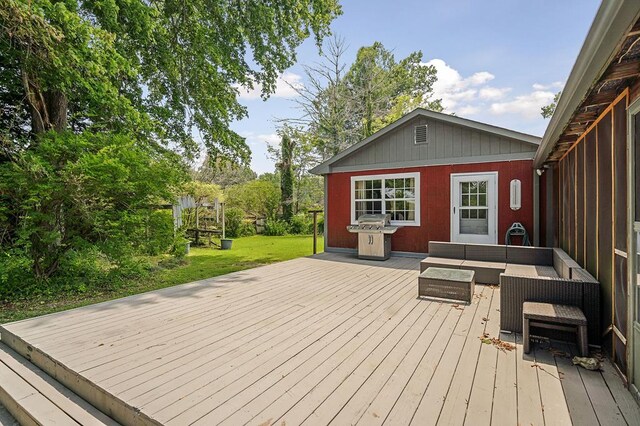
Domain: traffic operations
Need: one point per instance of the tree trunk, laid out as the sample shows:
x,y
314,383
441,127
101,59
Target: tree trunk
x,y
286,178
48,109
57,104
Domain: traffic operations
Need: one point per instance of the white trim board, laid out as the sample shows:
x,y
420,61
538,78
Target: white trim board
x,y
415,175
492,211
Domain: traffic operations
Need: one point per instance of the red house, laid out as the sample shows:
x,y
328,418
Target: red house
x,y
439,177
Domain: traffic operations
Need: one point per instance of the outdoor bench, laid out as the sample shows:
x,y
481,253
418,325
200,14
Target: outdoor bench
x,y
554,317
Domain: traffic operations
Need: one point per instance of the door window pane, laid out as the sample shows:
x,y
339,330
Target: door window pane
x,y
475,223
473,203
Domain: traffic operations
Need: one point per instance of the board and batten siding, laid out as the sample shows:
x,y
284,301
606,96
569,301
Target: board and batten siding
x,y
447,143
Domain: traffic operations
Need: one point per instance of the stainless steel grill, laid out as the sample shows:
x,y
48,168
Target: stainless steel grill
x,y
374,236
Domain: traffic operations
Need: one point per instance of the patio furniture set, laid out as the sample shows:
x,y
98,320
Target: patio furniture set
x,y
540,287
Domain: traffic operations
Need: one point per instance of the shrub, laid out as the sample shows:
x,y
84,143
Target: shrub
x,y
159,232
233,218
257,197
75,211
275,227
247,228
301,223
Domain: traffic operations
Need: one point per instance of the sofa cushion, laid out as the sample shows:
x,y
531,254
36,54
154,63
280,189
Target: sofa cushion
x,y
530,271
582,275
440,262
485,252
486,272
444,249
530,255
563,263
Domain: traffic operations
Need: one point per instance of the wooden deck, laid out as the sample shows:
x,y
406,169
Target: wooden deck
x,y
326,339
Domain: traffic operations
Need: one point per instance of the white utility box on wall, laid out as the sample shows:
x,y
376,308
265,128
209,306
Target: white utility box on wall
x,y
515,194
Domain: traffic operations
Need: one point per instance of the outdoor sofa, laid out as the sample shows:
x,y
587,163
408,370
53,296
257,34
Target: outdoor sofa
x,y
525,274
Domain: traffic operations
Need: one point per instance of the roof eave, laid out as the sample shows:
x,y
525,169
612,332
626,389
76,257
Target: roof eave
x,y
325,167
610,25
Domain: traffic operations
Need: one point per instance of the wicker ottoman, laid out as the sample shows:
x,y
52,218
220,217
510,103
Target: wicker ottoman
x,y
556,317
444,283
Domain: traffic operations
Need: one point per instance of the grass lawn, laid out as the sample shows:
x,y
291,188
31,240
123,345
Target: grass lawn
x,y
247,252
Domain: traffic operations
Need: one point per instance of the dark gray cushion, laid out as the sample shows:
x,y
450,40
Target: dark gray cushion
x,y
486,272
542,256
582,275
444,249
563,263
485,252
440,262
530,270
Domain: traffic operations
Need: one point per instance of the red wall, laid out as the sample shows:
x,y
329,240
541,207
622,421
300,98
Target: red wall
x,y
435,206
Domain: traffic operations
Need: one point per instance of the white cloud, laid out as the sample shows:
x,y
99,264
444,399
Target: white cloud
x,y
254,139
454,89
493,93
556,85
466,110
464,96
284,87
480,78
472,95
527,105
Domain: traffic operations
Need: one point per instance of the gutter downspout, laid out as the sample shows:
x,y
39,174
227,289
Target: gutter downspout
x,y
536,209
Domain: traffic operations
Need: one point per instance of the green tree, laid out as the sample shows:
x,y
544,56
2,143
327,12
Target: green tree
x,y
326,103
286,176
260,198
384,89
341,106
76,191
548,110
161,68
223,172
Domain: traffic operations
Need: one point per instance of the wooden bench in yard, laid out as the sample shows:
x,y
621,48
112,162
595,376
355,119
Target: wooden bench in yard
x,y
556,317
444,283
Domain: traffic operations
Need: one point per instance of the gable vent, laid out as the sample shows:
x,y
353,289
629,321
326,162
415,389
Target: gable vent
x,y
420,134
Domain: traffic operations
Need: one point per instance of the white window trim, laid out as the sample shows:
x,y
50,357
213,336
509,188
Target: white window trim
x,y
415,175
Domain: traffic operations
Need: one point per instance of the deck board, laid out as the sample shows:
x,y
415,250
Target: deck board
x,y
328,339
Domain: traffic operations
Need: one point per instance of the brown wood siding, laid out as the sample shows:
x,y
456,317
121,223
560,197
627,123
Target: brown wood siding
x,y
591,213
605,240
580,255
571,193
620,175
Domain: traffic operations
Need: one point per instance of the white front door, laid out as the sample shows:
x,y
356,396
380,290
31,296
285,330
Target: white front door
x,y
474,202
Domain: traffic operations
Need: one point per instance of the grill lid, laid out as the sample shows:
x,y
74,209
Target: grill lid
x,y
374,219
380,223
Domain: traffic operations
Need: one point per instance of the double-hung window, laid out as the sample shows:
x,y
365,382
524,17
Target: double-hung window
x,y
397,195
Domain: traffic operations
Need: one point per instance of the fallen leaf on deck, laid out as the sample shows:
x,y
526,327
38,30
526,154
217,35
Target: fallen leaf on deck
x,y
495,341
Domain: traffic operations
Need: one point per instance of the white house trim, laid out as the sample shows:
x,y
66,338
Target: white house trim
x,y
414,175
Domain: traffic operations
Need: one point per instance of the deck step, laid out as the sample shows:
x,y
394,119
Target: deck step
x,y
34,398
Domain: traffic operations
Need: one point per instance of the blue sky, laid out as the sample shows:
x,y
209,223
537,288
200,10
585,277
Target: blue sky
x,y
498,61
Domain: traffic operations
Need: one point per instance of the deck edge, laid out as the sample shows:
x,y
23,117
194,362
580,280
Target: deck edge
x,y
101,399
